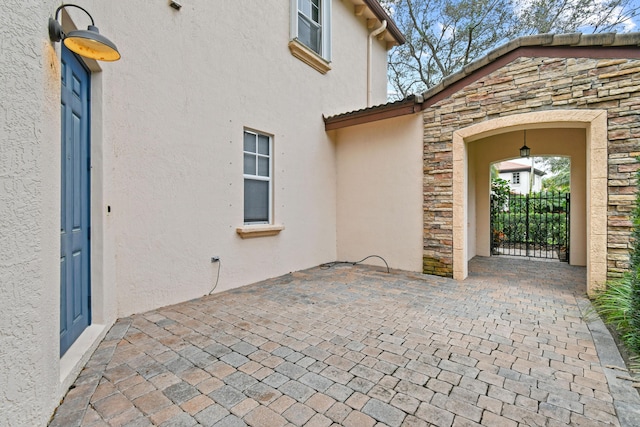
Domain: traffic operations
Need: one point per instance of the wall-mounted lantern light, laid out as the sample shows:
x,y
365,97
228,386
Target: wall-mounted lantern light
x,y
524,150
88,43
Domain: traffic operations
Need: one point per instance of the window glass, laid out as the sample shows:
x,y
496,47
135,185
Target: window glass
x,y
263,166
309,26
249,164
250,142
257,178
304,6
256,201
263,144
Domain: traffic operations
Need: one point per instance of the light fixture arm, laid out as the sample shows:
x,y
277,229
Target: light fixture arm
x,y
74,5
55,29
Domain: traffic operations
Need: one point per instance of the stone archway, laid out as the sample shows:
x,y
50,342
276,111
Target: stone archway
x,y
594,122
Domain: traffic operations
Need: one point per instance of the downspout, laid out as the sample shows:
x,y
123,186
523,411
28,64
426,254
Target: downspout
x,y
373,34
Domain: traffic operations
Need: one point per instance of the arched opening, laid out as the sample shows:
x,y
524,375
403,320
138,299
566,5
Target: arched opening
x,y
482,152
580,135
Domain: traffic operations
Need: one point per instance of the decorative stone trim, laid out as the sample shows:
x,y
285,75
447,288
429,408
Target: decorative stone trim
x,y
250,231
309,57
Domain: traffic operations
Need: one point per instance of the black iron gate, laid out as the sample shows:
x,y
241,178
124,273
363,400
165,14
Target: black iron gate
x,y
535,225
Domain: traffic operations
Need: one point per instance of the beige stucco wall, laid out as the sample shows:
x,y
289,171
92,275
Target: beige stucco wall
x,y
167,123
379,192
569,142
29,215
174,124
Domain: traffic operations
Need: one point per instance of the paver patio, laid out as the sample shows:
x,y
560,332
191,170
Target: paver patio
x,y
356,346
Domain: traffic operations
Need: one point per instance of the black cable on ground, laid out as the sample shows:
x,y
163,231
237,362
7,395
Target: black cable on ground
x,y
217,277
328,265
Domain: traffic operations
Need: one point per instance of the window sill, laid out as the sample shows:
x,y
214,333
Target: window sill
x,y
262,230
309,57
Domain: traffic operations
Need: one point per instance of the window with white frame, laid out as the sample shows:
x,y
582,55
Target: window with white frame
x,y
515,178
257,178
310,25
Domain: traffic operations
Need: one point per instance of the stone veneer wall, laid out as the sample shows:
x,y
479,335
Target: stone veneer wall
x,y
528,85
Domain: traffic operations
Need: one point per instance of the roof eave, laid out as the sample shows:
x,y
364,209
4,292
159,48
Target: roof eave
x,y
382,15
409,105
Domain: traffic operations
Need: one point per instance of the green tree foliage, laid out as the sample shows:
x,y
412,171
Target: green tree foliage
x,y
560,179
494,172
445,35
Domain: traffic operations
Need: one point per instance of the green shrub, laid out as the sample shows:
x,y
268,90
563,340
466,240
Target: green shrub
x,y
619,303
634,336
615,305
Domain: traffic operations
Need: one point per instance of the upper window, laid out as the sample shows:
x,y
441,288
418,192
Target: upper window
x,y
515,178
257,178
310,25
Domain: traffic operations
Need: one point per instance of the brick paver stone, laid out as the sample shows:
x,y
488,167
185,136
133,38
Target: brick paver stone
x,y
358,419
338,412
355,346
111,406
181,392
152,402
240,380
384,412
297,390
264,417
434,415
227,396
298,414
319,420
282,403
181,420
315,381
165,414
339,392
211,415
244,407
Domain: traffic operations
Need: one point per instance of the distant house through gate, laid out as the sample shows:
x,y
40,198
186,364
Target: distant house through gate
x,y
519,176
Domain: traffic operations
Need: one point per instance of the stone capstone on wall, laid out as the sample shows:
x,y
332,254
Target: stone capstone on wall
x,y
528,85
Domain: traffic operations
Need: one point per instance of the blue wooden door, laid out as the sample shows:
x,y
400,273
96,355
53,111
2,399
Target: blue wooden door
x,y
75,286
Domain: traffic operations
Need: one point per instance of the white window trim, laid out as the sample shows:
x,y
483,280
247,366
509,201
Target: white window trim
x,y
261,229
513,178
325,18
256,177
